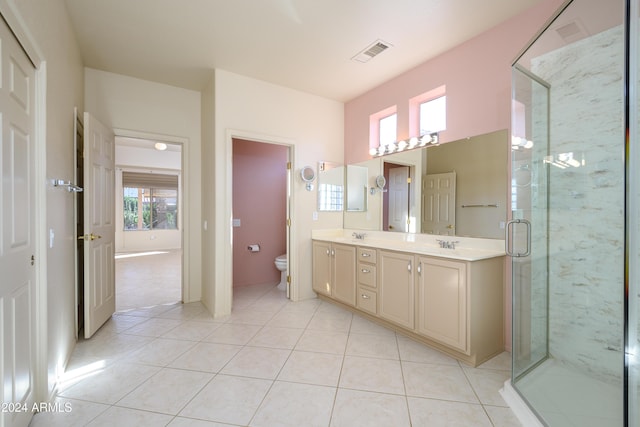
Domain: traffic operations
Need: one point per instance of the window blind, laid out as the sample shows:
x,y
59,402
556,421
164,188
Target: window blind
x,y
149,180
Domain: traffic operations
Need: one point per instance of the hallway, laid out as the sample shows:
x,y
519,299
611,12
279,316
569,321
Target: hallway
x,y
272,362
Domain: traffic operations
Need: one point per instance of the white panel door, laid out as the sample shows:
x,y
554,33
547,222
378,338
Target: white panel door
x,y
399,199
439,204
17,231
99,224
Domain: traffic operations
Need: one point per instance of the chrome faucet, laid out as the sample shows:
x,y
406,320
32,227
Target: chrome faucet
x,y
447,244
359,236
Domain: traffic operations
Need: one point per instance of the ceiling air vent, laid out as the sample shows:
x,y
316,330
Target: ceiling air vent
x,y
372,50
571,32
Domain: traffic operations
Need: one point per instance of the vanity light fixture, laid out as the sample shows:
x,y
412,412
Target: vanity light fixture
x,y
405,145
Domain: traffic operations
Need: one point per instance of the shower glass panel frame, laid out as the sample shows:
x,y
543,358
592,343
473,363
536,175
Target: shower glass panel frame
x,y
574,191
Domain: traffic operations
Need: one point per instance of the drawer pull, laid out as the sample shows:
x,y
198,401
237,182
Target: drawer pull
x,y
365,296
364,270
366,255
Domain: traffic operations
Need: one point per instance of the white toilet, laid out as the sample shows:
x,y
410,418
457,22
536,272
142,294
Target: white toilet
x,y
281,264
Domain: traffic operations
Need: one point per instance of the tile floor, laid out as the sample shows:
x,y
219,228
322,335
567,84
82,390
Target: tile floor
x,y
272,362
148,278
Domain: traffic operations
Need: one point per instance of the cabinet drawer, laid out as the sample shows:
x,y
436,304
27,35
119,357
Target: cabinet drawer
x,y
367,300
367,255
367,274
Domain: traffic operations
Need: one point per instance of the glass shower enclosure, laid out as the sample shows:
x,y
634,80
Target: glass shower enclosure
x,y
573,238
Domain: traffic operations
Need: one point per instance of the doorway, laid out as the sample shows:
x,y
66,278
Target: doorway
x,y
149,224
260,212
396,211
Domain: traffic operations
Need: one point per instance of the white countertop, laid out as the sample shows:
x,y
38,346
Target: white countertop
x,y
466,248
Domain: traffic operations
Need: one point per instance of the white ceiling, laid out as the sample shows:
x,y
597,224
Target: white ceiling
x,y
302,44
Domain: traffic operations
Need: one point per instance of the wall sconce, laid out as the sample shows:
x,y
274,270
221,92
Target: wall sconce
x,y
308,175
406,145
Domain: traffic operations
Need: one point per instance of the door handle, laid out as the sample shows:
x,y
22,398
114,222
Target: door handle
x,y
391,227
508,241
90,237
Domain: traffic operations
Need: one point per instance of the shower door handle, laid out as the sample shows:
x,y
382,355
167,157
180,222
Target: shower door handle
x,y
508,241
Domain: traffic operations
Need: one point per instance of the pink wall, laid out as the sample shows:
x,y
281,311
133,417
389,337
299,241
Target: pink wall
x,y
259,201
477,76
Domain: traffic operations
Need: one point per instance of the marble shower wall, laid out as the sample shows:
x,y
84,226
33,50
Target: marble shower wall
x,y
586,203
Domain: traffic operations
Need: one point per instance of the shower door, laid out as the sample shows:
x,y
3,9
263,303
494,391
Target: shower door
x,y
567,234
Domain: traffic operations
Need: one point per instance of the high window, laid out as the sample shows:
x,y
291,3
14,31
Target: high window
x,y
433,115
150,201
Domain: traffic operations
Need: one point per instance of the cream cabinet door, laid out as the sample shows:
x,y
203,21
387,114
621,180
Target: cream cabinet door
x,y
442,301
396,294
321,281
344,273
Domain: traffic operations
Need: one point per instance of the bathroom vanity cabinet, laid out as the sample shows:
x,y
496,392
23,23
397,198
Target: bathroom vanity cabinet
x,y
334,271
454,305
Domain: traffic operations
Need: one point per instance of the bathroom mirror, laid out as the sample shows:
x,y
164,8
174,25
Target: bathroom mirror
x,y
357,179
330,186
480,163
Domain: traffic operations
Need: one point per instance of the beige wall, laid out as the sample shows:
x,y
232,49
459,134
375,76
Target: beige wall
x,y
252,109
137,107
45,27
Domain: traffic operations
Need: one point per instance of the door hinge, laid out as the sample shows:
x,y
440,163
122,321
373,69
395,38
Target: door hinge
x,y
288,165
409,180
33,259
288,279
288,222
408,221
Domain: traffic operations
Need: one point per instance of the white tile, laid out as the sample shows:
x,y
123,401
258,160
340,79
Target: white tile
x,y
355,408
192,330
160,352
257,362
413,351
111,384
294,405
364,373
291,319
487,384
167,392
327,320
250,316
379,346
110,346
125,417
437,382
72,413
305,306
312,368
228,399
184,311
153,327
323,341
190,422
502,417
501,362
360,325
430,412
233,334
276,337
206,357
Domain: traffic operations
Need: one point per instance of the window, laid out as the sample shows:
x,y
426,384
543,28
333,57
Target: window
x,y
388,130
330,197
383,129
433,115
150,201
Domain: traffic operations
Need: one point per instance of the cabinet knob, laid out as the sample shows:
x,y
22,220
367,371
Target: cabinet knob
x,y
327,252
365,296
364,270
